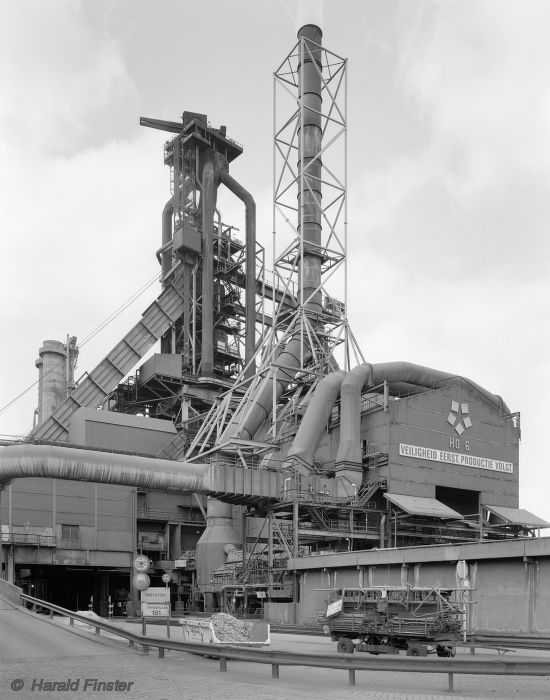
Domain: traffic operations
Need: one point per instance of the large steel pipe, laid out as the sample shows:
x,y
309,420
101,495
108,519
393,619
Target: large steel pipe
x,y
208,205
47,461
250,269
316,417
167,234
259,407
400,374
309,163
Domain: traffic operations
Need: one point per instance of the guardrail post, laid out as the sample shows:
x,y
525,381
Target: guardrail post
x,y
51,614
97,630
223,663
351,672
145,648
161,652
274,670
451,681
472,649
131,643
71,621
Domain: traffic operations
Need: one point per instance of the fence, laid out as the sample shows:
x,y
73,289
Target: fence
x,y
451,667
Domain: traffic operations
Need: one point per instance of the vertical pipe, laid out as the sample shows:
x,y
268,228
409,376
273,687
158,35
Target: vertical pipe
x,y
269,550
309,164
346,329
295,513
166,256
208,202
194,313
250,269
188,304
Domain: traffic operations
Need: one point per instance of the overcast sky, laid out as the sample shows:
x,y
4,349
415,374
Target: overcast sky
x,y
449,164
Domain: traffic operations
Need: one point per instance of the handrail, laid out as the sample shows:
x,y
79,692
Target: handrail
x,y
476,666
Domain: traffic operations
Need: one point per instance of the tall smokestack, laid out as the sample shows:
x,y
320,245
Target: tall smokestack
x,y
309,161
52,377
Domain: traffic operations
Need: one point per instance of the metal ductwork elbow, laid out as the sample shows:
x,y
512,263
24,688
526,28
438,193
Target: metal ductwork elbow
x,y
404,375
316,417
250,270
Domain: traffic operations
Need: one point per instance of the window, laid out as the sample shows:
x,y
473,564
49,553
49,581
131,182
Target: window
x,y
70,532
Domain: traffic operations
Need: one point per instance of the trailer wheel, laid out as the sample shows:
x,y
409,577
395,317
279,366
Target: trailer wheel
x,y
443,650
345,646
417,650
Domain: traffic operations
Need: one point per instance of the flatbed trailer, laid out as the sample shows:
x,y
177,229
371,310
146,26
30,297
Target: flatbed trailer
x,y
389,619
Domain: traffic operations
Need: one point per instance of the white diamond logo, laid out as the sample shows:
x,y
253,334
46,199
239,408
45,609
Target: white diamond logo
x,y
459,417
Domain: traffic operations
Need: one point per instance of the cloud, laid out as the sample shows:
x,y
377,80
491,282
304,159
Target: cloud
x,y
64,84
478,72
476,194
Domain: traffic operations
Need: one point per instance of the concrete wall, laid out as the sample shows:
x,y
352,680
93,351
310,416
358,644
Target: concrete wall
x,y
510,581
281,613
422,421
10,592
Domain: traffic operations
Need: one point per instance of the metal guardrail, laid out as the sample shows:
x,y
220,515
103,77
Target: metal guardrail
x,y
276,659
30,539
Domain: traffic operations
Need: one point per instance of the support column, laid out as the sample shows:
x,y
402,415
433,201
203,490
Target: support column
x,y
270,549
295,513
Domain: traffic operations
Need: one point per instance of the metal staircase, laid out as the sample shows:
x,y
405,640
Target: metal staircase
x,y
368,489
99,383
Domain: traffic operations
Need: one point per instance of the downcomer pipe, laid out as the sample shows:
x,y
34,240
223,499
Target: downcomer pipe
x,y
250,270
402,373
316,417
208,205
47,461
166,254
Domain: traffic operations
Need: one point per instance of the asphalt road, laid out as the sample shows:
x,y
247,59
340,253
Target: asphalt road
x,y
35,652
24,635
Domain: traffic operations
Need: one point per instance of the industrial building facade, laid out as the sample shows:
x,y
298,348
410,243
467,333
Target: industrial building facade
x,y
241,458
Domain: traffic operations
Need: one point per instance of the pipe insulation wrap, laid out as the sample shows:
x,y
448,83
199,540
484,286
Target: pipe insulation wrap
x,y
18,461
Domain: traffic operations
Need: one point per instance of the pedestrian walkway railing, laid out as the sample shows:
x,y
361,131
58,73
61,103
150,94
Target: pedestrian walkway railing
x,y
499,666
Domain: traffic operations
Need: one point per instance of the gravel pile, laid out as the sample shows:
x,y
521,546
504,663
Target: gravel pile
x,y
228,628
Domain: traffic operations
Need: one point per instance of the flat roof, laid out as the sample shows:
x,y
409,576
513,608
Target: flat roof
x,y
418,505
469,551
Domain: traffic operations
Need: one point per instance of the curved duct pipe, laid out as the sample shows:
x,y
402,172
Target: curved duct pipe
x,y
316,417
426,377
166,261
250,270
404,374
163,249
90,465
